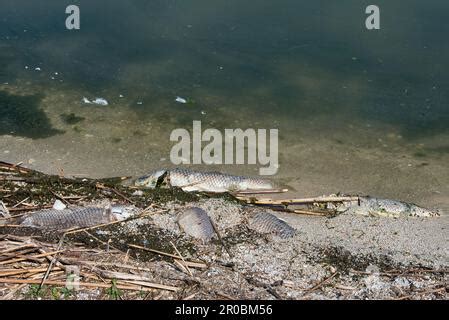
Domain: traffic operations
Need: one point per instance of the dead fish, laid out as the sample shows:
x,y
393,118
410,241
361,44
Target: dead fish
x,y
190,180
77,217
196,223
384,207
265,222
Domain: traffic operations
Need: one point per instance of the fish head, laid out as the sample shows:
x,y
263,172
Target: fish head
x,y
150,180
121,212
416,211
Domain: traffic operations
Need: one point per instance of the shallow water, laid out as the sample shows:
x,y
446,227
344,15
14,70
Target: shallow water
x,y
358,111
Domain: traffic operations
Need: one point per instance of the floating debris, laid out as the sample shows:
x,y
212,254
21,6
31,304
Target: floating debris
x,y
196,223
85,100
181,100
189,180
98,101
265,222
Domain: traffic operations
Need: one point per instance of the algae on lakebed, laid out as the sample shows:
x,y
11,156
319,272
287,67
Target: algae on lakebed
x,y
71,118
21,115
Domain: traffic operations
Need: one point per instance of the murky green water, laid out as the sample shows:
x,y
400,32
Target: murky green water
x,y
358,111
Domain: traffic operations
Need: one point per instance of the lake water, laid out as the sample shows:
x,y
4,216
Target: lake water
x,y
358,111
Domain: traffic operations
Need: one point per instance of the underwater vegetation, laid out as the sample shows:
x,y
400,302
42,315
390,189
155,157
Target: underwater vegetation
x,y
22,116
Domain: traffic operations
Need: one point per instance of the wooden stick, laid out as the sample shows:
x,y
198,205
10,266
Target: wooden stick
x,y
13,272
52,262
321,283
152,285
25,246
302,201
220,238
179,253
421,293
108,264
193,264
154,251
42,255
310,213
135,279
18,204
267,191
181,266
21,254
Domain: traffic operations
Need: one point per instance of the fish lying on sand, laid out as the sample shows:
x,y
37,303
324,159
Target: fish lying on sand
x,y
196,223
265,222
369,206
190,180
77,217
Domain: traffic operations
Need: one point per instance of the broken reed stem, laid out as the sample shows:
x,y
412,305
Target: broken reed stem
x,y
268,191
299,201
25,246
442,289
182,258
221,239
193,264
13,272
108,264
42,255
321,283
154,251
19,203
141,215
310,213
135,279
53,260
